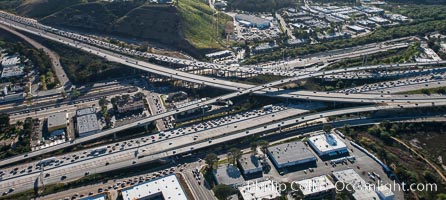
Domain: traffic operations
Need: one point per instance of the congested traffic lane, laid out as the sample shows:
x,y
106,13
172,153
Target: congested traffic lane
x,y
237,120
213,82
241,88
122,151
176,146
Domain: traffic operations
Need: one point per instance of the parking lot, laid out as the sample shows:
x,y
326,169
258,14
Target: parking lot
x,y
365,166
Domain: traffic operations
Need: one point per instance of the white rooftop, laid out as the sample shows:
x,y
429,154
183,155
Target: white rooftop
x,y
327,142
378,19
228,175
384,192
57,119
259,190
357,28
290,152
85,111
96,197
315,185
169,187
87,123
218,53
10,61
10,71
362,191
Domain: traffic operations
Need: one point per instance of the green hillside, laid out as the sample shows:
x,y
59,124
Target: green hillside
x,y
189,26
199,24
42,8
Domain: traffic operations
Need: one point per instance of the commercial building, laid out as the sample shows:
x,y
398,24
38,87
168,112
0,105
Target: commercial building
x,y
167,187
379,20
228,175
85,111
334,36
366,23
250,165
95,197
298,25
356,29
12,97
176,96
87,122
259,190
317,188
340,16
265,47
327,145
87,125
9,61
130,105
219,54
11,66
254,21
295,42
385,193
290,154
398,17
321,9
362,191
369,10
57,121
12,71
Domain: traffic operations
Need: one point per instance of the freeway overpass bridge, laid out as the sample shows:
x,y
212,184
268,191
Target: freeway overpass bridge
x,y
228,85
31,24
243,89
238,88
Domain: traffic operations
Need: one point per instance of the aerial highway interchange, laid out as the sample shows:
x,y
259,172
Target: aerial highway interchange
x,y
21,174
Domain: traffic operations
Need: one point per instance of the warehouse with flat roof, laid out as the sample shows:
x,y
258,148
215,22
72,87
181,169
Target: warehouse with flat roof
x,y
290,154
85,111
57,121
87,125
361,189
96,197
253,20
259,190
8,61
12,71
327,145
317,188
228,175
250,165
385,193
356,29
167,187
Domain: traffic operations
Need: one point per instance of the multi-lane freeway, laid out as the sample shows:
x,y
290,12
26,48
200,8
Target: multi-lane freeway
x,y
240,88
173,146
192,139
262,89
213,82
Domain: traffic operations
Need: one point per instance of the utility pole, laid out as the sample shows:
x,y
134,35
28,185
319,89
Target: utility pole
x,y
216,24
